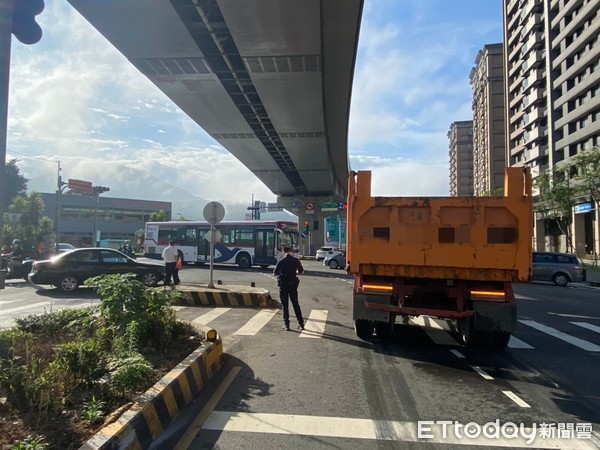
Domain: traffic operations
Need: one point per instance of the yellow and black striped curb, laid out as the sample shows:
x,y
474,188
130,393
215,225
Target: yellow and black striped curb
x,y
155,410
228,299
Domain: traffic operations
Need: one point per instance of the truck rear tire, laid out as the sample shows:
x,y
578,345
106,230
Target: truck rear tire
x,y
364,329
465,329
495,340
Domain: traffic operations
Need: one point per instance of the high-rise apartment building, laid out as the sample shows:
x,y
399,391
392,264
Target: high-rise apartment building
x,y
552,72
489,146
460,138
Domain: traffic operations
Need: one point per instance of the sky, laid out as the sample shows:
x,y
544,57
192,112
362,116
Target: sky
x,y
74,98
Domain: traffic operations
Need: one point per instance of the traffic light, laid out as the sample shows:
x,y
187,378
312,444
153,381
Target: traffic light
x,y
24,26
306,227
315,224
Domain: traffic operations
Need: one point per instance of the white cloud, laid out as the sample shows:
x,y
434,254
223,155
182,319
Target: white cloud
x,y
404,178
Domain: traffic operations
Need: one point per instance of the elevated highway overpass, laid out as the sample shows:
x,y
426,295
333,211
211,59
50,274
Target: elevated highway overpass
x,y
270,80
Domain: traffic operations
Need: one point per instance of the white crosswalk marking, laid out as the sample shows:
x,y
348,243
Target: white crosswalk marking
x,y
482,372
210,316
515,398
31,306
315,325
588,326
255,324
382,430
518,343
585,345
436,330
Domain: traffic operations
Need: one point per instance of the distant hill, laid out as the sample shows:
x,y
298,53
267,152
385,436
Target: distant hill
x,y
128,182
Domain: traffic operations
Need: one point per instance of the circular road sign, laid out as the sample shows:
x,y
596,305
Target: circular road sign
x,y
310,206
214,212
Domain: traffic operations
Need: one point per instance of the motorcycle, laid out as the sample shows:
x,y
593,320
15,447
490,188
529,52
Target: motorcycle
x,y
20,271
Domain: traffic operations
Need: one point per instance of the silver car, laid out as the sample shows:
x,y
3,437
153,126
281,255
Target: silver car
x,y
335,261
560,268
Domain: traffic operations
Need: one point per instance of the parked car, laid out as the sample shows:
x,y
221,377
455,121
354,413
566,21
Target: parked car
x,y
324,252
67,271
560,268
336,261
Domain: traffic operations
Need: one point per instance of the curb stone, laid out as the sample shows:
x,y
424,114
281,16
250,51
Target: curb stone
x,y
227,296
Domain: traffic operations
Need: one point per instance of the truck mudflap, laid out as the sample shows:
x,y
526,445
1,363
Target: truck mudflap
x,y
372,307
494,317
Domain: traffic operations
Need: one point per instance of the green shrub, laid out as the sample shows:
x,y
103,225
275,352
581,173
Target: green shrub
x,y
15,358
31,443
129,374
93,410
64,321
85,360
124,299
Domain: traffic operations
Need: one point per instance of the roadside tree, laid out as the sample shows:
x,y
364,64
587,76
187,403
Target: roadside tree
x,y
556,198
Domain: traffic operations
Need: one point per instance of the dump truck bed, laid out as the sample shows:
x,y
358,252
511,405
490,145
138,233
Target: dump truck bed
x,y
467,238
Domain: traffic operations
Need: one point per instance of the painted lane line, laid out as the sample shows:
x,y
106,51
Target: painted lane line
x,y
256,323
315,325
210,316
518,343
585,345
515,398
588,326
7,302
482,372
24,308
196,426
457,354
574,316
383,430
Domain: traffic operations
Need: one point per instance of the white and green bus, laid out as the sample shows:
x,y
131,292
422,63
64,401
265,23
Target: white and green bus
x,y
243,243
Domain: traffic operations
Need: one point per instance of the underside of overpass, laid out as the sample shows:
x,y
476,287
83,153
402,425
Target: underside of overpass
x,y
270,80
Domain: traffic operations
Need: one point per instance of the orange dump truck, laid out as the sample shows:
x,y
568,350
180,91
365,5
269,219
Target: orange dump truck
x,y
445,257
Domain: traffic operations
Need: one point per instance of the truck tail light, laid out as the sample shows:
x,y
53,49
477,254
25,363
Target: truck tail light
x,y
377,287
490,296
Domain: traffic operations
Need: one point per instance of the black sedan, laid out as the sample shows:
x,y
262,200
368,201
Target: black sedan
x,y
68,270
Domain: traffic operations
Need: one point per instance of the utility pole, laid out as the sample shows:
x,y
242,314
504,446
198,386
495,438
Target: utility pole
x,y
18,18
5,43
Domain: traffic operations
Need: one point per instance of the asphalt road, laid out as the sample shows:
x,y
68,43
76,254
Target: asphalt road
x,y
325,388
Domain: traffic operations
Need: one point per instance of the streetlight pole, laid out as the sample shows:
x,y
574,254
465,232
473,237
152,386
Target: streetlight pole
x,y
97,190
60,185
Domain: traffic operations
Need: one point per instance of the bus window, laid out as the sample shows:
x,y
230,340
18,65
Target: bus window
x,y
189,237
227,234
244,237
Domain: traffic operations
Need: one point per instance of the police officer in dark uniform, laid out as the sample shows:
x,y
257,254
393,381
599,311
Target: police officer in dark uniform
x,y
287,271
